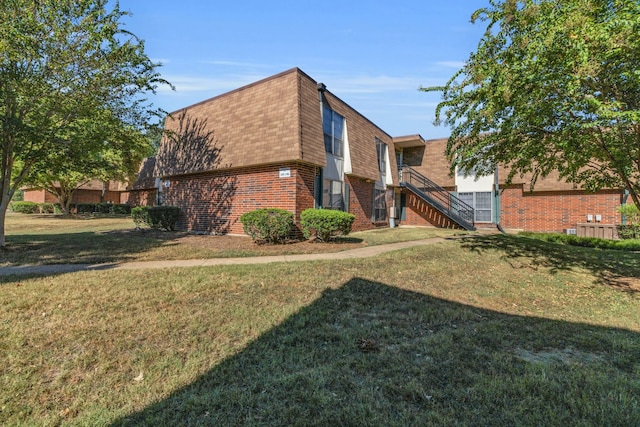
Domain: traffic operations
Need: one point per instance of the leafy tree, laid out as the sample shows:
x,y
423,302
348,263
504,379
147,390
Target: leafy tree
x,y
63,63
101,148
553,85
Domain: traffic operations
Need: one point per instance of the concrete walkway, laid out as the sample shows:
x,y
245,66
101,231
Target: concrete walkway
x,y
364,252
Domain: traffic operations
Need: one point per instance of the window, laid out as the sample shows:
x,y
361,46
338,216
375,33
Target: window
x,y
333,128
381,149
379,205
332,195
481,202
483,207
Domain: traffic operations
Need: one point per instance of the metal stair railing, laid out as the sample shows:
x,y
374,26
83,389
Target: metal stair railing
x,y
445,202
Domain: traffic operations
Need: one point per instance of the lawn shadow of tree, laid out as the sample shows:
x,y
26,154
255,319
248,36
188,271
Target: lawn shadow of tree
x,y
613,268
371,354
85,247
206,194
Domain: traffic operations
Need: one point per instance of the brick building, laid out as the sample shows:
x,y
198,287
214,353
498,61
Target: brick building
x,y
288,142
551,205
94,191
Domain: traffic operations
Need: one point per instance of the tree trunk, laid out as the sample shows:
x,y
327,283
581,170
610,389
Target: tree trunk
x,y
4,205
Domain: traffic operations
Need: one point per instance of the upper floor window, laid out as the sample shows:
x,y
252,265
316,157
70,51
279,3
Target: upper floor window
x,y
333,128
381,149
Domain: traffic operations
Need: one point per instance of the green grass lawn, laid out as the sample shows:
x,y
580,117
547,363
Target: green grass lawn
x,y
494,330
50,239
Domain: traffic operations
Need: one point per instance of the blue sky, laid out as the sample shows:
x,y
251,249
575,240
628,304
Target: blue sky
x,y
374,54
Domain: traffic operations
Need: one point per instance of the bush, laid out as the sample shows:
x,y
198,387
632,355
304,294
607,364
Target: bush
x,y
268,225
120,209
325,224
85,208
629,231
25,207
140,216
158,217
46,208
102,208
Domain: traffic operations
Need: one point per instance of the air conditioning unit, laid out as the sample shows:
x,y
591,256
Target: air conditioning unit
x,y
571,231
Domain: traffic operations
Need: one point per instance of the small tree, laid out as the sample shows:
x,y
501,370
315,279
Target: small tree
x,y
61,62
99,148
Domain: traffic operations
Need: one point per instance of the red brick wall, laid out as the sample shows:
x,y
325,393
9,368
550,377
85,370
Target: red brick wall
x,y
94,196
557,210
213,202
420,213
360,202
36,196
139,197
79,196
305,188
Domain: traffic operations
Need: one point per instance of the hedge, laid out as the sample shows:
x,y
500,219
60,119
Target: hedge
x,y
157,217
25,207
268,225
325,224
103,208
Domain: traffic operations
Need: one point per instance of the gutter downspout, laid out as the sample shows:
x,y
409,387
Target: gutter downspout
x,y
320,181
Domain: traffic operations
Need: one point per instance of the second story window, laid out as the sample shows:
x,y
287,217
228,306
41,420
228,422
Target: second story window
x,y
333,129
381,149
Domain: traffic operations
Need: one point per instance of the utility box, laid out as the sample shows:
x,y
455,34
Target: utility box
x,y
601,231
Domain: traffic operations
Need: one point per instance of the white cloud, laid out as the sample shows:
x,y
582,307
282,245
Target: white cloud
x,y
364,84
209,86
235,64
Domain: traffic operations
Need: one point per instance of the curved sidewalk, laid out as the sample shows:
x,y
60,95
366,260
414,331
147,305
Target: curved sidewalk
x,y
364,252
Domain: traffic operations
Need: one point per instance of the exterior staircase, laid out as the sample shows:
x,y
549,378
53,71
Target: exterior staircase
x,y
443,201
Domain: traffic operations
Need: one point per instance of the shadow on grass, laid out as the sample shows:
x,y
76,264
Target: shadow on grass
x,y
371,354
614,268
83,247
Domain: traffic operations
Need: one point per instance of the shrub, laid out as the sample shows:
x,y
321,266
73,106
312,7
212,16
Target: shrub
x,y
120,209
267,225
158,217
46,208
85,208
325,224
103,208
631,230
25,207
57,209
140,216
